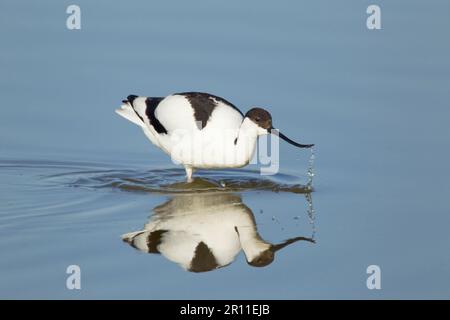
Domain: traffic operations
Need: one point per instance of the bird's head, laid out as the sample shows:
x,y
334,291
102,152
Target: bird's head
x,y
263,121
267,255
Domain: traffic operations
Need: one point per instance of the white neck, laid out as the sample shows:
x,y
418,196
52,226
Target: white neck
x,y
246,141
251,242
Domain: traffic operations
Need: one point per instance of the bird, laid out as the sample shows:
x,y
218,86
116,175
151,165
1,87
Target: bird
x,y
204,232
200,130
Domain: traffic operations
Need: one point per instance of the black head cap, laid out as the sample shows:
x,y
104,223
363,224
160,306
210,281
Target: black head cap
x,y
263,259
261,117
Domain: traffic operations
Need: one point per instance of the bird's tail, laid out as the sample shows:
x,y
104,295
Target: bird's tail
x,y
130,112
136,239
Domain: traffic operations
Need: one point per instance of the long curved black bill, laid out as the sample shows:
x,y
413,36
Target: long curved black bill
x,y
282,136
280,246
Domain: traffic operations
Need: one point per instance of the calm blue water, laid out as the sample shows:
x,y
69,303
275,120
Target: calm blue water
x,y
375,103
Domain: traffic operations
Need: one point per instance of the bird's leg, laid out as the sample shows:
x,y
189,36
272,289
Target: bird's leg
x,y
189,172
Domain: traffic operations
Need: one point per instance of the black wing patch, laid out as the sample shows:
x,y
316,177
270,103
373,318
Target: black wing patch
x,y
152,103
203,105
131,98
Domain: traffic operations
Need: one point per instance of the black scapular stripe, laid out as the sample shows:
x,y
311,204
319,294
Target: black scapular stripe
x,y
152,103
203,260
203,105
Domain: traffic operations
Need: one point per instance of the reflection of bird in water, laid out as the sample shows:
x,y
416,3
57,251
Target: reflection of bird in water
x,y
202,232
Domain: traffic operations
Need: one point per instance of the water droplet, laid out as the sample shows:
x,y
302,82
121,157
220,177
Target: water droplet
x,y
311,214
310,171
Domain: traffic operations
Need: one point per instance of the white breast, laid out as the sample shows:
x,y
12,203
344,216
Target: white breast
x,y
210,147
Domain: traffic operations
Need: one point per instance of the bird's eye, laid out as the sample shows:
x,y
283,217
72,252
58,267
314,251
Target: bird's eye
x,y
257,119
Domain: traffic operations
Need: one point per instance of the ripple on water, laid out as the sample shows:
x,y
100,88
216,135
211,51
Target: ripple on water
x,y
172,180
